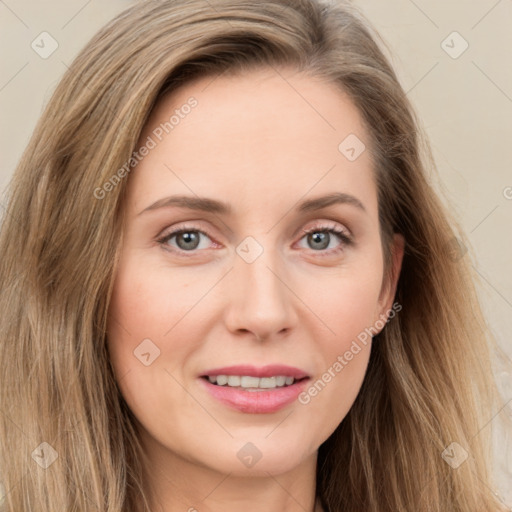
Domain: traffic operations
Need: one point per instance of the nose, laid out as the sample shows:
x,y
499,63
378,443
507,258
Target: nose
x,y
260,300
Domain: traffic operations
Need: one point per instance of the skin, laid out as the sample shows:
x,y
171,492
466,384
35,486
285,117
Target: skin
x,y
263,142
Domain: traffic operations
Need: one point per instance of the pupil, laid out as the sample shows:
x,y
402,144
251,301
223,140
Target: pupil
x,y
191,240
318,236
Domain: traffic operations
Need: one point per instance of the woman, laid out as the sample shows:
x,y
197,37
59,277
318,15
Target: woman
x,y
176,338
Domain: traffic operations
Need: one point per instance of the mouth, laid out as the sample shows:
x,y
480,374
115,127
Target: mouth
x,y
255,390
251,383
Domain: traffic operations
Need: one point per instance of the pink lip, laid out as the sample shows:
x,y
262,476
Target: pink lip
x,y
265,371
255,402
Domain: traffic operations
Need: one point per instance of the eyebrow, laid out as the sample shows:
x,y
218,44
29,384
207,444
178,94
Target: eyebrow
x,y
209,205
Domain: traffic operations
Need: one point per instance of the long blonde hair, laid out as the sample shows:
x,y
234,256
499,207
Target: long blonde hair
x,y
429,378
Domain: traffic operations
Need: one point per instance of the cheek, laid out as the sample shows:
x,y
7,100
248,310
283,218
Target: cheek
x,y
343,359
155,324
347,305
149,301
146,338
351,315
142,308
348,309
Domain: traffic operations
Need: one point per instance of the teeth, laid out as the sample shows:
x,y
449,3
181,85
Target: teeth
x,y
268,382
222,380
234,380
246,381
281,381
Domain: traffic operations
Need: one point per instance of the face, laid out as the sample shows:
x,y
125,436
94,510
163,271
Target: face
x,y
262,283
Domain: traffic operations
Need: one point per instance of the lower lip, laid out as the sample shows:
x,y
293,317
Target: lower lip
x,y
255,402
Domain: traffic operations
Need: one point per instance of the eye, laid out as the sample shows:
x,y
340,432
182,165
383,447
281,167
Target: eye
x,y
187,239
319,238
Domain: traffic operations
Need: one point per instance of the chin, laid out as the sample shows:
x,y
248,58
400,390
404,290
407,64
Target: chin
x,y
258,457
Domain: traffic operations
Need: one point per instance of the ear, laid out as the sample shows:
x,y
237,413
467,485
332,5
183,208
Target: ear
x,y
390,280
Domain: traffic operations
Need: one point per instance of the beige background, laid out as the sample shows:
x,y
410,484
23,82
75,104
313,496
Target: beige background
x,y
465,104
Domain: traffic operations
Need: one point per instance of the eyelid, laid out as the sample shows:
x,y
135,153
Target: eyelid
x,y
325,225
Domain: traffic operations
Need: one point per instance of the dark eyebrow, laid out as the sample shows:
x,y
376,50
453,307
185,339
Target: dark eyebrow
x,y
213,206
324,201
192,203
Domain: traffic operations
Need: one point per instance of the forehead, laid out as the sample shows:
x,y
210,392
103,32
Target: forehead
x,y
251,139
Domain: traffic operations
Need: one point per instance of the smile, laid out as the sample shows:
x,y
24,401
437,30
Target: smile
x,y
251,383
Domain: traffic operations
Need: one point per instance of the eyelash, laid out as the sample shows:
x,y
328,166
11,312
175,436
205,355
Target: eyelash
x,y
346,239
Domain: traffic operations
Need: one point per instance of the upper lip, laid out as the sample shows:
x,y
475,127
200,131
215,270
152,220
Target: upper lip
x,y
270,370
